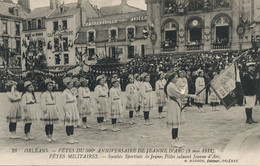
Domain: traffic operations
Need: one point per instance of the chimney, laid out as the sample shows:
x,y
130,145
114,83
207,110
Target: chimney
x,y
79,4
57,3
25,4
124,2
52,5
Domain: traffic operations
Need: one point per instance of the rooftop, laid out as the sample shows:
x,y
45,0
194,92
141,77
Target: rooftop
x,y
40,12
5,10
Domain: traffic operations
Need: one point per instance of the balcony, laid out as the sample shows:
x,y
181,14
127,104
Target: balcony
x,y
221,46
194,47
168,46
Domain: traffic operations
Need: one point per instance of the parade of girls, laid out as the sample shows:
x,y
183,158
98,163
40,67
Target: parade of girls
x,y
105,104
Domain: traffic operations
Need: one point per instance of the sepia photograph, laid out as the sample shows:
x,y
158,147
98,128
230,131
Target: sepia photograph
x,y
130,82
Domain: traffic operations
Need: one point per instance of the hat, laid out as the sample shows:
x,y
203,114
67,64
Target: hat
x,y
100,77
67,80
250,64
75,79
160,72
131,76
10,83
113,80
82,79
136,75
169,74
46,81
144,74
27,83
115,75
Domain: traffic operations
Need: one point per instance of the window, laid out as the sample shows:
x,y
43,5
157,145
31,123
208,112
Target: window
x,y
170,35
40,45
143,50
34,22
130,33
5,42
195,32
91,37
222,31
57,44
17,29
91,53
65,44
39,24
18,46
55,26
64,24
66,59
57,59
131,51
29,25
113,34
5,30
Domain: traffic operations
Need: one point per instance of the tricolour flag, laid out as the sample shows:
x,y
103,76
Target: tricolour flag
x,y
227,85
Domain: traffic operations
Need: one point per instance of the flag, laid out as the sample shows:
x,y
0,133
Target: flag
x,y
227,85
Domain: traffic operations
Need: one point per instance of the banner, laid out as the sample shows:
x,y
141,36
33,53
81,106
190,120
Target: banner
x,y
226,85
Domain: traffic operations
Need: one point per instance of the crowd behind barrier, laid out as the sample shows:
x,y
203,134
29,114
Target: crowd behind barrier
x,y
190,63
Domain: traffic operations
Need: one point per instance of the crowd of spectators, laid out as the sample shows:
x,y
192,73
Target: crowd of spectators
x,y
190,63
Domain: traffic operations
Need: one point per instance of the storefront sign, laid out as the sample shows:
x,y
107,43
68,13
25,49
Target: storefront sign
x,y
64,33
33,34
116,21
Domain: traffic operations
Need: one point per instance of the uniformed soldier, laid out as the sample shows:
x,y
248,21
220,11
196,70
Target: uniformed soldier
x,y
249,87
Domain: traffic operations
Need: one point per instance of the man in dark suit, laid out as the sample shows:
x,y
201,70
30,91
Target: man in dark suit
x,y
249,87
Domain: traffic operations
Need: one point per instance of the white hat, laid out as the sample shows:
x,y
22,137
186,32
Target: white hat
x,y
82,79
131,76
27,83
100,77
67,80
48,80
251,64
10,83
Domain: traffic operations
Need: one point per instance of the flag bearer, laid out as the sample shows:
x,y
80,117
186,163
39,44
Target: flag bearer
x,y
249,88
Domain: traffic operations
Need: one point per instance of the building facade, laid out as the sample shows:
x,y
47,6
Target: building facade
x,y
11,16
199,25
118,33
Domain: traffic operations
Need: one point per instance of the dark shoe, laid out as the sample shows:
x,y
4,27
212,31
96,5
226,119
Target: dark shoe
x,y
249,122
253,121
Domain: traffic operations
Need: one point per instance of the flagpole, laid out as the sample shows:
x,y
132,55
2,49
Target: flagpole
x,y
244,54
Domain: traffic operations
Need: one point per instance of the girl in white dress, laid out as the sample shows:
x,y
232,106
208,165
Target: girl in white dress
x,y
28,103
213,98
199,85
131,98
115,103
85,102
15,110
174,105
138,84
49,109
75,91
101,97
69,104
161,98
147,98
182,84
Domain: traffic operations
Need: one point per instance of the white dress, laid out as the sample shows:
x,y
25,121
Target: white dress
x,y
147,97
28,104
49,108
101,97
15,110
131,97
138,85
174,116
69,104
115,103
159,88
183,87
199,85
85,102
